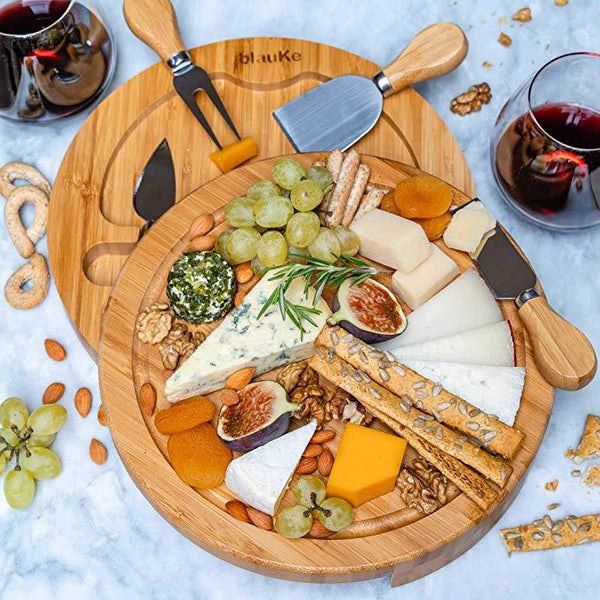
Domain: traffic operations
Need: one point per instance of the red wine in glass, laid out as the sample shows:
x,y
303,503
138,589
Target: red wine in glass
x,y
23,17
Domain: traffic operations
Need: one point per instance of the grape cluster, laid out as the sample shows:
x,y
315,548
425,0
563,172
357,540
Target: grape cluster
x,y
26,438
275,222
295,521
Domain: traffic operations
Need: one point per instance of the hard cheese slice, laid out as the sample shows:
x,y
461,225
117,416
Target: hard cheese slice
x,y
243,340
366,465
260,477
468,227
495,390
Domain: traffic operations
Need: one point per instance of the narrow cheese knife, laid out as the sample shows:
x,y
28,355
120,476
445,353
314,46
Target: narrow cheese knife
x,y
563,354
336,114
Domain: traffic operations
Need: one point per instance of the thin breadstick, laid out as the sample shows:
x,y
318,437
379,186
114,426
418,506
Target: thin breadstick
x,y
372,199
342,190
334,164
356,193
377,186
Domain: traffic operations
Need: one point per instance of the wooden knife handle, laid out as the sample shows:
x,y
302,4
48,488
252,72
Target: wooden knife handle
x,y
435,51
154,22
562,353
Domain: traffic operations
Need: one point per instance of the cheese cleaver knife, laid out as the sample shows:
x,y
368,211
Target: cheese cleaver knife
x,y
338,113
563,354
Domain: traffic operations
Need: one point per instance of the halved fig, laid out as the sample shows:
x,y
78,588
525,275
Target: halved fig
x,y
368,310
261,415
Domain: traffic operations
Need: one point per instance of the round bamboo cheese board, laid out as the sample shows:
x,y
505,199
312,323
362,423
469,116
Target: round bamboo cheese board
x,y
386,537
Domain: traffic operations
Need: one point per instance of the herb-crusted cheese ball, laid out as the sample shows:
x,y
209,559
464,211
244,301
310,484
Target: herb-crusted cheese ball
x,y
201,287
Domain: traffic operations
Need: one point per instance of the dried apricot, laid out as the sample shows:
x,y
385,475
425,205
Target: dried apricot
x,y
388,203
435,227
184,415
423,197
199,457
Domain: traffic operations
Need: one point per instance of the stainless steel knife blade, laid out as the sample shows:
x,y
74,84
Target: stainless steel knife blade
x,y
155,190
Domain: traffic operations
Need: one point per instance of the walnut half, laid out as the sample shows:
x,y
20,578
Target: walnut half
x,y
154,323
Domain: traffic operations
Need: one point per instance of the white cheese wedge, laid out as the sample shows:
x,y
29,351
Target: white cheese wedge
x,y
432,275
495,390
468,227
490,345
243,340
391,240
465,304
260,477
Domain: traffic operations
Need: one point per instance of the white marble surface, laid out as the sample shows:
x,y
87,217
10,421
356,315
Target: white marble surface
x,y
91,534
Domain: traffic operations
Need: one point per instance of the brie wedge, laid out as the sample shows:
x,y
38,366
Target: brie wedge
x,y
261,477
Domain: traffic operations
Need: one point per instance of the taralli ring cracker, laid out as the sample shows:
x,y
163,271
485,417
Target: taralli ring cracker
x,y
35,271
25,240
16,170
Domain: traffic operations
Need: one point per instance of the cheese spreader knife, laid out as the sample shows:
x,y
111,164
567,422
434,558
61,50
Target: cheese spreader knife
x,y
562,353
336,114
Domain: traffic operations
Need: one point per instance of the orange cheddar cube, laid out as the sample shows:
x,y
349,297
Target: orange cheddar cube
x,y
366,465
233,155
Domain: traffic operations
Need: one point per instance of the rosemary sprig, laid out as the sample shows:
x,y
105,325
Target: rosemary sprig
x,y
318,273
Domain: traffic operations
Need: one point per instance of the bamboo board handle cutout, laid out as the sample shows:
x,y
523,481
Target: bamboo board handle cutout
x,y
433,52
154,22
563,354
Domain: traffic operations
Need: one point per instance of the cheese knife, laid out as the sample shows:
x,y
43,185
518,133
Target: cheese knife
x,y
562,352
339,112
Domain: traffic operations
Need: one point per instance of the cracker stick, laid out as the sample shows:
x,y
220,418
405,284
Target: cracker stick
x,y
372,199
374,396
356,193
424,394
334,164
545,533
341,193
589,444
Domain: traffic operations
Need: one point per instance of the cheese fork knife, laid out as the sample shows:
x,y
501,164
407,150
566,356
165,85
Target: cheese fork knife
x,y
154,22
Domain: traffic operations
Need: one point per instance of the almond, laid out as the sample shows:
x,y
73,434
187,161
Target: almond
x,y
313,450
229,397
252,283
325,462
244,273
219,215
240,379
306,465
238,511
318,530
53,393
102,416
204,242
320,437
148,399
260,519
239,298
97,452
201,225
83,401
55,350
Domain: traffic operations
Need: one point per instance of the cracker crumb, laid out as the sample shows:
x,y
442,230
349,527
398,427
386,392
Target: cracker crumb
x,y
576,473
552,485
592,476
523,15
561,2
504,39
487,65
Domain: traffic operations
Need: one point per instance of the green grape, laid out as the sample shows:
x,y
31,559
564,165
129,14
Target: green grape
x,y
287,173
2,463
307,485
306,195
349,241
297,255
340,514
273,212
272,249
257,267
262,189
322,176
294,521
47,419
19,489
221,245
239,212
13,412
43,441
302,229
41,463
9,436
242,244
326,246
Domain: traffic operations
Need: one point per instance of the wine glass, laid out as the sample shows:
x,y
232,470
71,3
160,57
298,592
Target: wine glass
x,y
56,58
545,145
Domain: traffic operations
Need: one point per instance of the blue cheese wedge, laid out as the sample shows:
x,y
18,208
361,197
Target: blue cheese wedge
x,y
261,477
243,340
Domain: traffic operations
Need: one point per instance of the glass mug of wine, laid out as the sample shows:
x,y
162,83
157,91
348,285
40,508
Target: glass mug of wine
x,y
546,144
56,58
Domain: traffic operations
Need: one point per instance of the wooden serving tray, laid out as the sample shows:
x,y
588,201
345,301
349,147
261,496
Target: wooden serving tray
x,y
411,546
92,226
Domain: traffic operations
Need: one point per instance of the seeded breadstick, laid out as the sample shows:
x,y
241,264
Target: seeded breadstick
x,y
424,394
372,199
589,445
592,476
356,193
545,533
466,479
374,396
334,164
341,193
